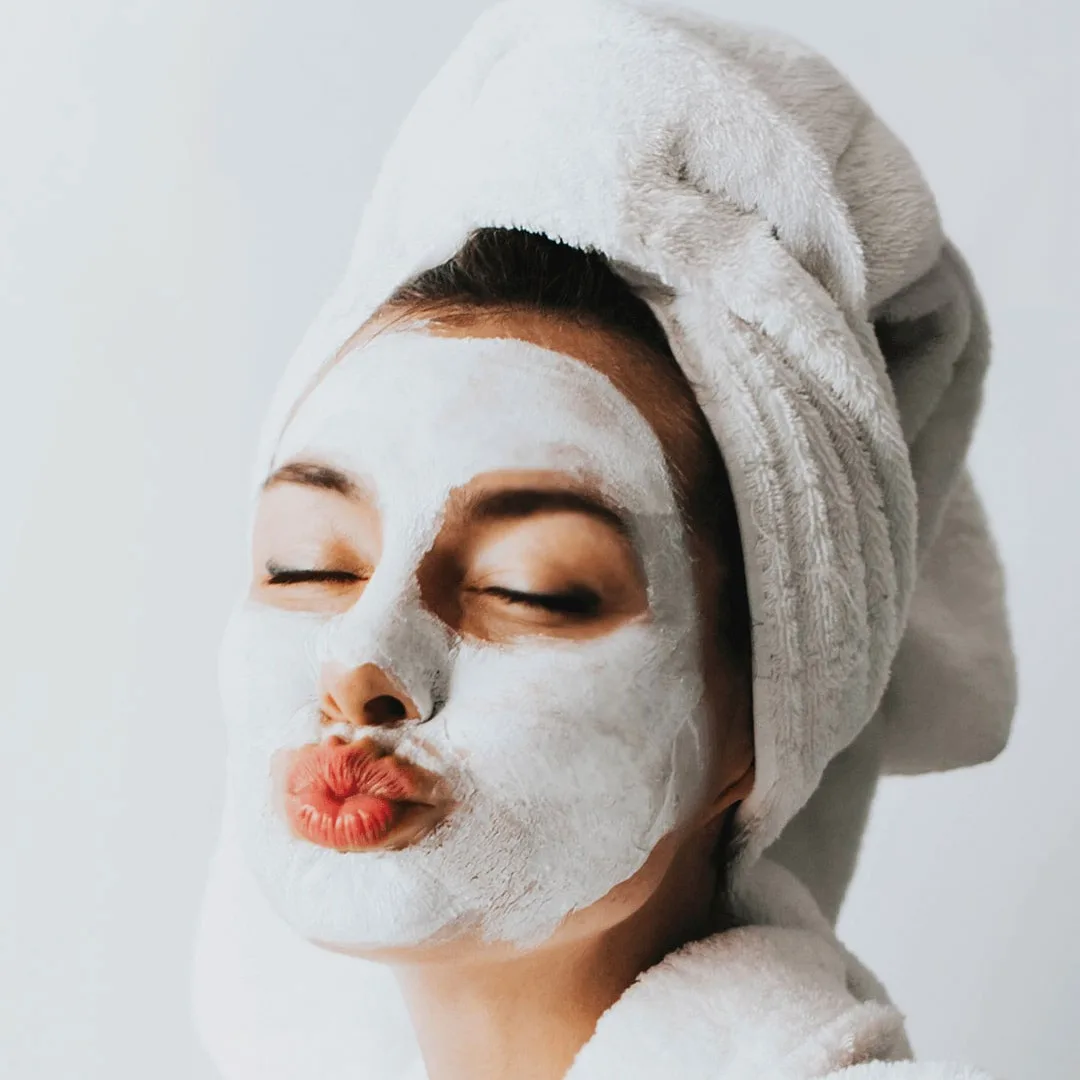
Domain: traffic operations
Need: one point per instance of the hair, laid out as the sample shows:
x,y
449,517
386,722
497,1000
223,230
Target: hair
x,y
508,270
501,270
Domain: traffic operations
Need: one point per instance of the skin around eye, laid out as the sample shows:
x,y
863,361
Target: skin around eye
x,y
309,589
575,601
523,570
559,574
312,550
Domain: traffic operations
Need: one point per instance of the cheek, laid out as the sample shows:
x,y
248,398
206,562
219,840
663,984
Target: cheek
x,y
267,676
585,727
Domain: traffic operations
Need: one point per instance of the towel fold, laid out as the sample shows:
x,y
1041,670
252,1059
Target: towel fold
x,y
793,252
794,255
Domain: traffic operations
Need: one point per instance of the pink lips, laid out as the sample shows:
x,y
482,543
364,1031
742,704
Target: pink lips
x,y
347,796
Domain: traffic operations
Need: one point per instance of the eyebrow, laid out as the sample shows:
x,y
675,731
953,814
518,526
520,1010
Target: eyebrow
x,y
500,505
311,474
524,502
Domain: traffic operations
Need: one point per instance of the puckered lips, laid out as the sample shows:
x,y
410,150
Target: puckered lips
x,y
353,796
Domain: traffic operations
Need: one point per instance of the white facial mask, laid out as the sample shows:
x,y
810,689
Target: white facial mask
x,y
568,759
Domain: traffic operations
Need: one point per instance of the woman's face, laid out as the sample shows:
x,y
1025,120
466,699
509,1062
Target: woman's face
x,y
465,694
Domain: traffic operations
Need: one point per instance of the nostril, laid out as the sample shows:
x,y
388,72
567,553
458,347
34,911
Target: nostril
x,y
384,709
364,695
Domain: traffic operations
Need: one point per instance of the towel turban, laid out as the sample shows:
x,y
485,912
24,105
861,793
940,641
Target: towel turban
x,y
794,255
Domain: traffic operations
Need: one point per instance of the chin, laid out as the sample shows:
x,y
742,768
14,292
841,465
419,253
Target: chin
x,y
349,901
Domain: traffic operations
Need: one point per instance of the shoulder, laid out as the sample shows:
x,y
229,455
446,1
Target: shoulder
x,y
750,1001
778,996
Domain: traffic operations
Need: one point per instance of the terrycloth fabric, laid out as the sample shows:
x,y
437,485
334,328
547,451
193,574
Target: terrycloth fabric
x,y
793,253
778,998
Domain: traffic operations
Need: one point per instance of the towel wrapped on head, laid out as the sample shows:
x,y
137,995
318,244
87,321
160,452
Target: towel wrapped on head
x,y
793,252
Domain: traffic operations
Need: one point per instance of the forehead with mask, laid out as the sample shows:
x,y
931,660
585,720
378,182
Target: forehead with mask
x,y
491,679
490,690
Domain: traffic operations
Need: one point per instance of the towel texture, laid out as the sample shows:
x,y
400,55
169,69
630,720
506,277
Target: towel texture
x,y
793,252
777,998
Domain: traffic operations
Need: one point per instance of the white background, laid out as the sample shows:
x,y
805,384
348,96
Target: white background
x,y
179,184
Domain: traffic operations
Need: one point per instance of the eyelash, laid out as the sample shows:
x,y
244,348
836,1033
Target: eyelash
x,y
281,576
576,601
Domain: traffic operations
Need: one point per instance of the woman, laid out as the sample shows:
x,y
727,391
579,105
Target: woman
x,y
601,520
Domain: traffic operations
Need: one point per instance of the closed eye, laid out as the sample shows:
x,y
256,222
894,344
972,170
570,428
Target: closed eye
x,y
280,575
575,601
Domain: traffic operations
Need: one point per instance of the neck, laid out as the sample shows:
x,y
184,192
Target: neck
x,y
524,1017
526,1014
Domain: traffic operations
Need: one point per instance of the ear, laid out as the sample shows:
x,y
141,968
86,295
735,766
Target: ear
x,y
734,763
737,790
738,782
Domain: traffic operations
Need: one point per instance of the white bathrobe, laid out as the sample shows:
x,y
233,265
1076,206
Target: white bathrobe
x,y
775,998
794,255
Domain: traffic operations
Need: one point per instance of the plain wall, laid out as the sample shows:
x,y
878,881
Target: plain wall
x,y
179,185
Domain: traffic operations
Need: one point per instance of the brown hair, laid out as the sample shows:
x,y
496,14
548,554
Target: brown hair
x,y
512,269
507,270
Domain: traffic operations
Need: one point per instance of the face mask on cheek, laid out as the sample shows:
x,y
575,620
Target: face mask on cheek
x,y
568,760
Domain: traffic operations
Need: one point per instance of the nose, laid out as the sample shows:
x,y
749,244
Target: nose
x,y
363,696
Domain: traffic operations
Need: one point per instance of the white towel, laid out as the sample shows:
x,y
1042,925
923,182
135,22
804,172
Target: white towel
x,y
777,998
792,251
